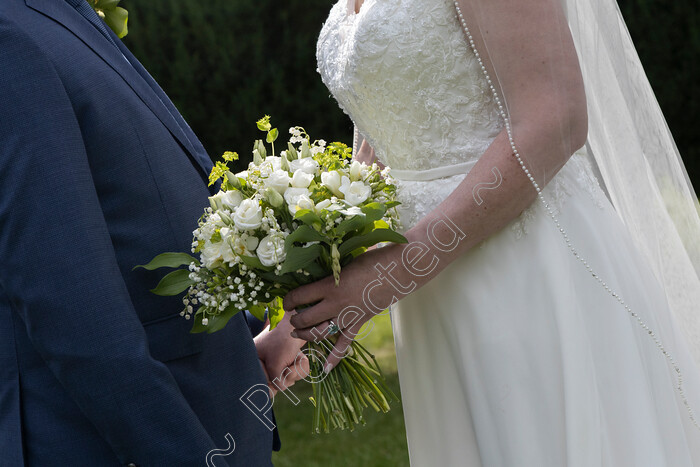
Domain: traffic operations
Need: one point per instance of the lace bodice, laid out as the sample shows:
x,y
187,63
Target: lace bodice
x,y
404,73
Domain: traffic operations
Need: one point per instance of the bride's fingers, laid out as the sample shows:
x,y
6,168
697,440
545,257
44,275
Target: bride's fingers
x,y
339,351
314,333
305,294
315,315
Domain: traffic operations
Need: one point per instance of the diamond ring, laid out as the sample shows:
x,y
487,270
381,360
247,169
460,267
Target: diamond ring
x,y
332,328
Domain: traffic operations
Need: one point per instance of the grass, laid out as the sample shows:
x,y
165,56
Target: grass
x,y
381,442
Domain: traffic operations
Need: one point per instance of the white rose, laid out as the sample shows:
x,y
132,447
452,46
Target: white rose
x,y
301,179
355,192
332,181
275,161
279,180
293,196
248,215
355,170
271,250
242,174
306,164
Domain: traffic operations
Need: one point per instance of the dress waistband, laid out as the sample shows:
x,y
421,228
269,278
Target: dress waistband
x,y
434,173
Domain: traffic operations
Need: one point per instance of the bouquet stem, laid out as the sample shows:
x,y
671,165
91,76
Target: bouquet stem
x,y
356,383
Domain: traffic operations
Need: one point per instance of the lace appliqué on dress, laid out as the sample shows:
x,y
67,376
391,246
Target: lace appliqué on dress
x,y
577,171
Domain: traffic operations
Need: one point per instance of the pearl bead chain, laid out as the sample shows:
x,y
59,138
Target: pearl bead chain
x,y
540,196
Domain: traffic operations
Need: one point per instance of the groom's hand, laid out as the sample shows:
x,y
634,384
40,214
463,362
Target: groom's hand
x,y
280,355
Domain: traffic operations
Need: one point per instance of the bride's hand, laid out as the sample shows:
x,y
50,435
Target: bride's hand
x,y
368,285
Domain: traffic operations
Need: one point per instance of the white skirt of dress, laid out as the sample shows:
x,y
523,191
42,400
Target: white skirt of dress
x,y
516,356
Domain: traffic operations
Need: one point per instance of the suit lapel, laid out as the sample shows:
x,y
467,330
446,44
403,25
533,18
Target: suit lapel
x,y
163,98
63,13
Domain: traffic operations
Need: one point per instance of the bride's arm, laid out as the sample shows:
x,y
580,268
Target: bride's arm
x,y
540,77
363,151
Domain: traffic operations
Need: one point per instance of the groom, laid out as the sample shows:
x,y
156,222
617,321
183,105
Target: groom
x,y
99,173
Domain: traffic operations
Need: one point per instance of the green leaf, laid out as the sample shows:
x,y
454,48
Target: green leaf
x,y
372,212
258,311
254,263
285,280
174,283
308,217
168,260
272,135
218,322
299,257
303,234
117,20
370,239
351,224
275,312
391,204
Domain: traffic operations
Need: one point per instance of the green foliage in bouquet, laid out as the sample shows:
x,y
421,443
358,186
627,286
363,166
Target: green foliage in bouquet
x,y
286,221
113,15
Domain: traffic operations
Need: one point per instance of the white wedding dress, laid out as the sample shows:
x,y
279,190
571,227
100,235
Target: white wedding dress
x,y
514,355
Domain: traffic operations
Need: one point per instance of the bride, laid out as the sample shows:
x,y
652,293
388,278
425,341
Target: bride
x,y
540,318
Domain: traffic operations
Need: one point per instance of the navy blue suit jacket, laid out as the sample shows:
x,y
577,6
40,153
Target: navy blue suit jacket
x,y
98,173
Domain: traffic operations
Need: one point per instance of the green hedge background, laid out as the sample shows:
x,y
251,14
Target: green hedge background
x,y
225,63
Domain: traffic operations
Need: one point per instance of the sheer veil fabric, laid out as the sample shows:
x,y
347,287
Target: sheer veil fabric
x,y
639,163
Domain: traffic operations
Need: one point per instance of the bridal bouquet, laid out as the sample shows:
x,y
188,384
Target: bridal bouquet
x,y
287,221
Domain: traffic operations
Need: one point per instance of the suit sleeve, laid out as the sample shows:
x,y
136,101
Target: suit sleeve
x,y
60,272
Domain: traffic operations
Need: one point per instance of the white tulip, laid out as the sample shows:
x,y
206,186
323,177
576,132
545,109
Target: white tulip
x,y
301,179
355,171
251,243
332,181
